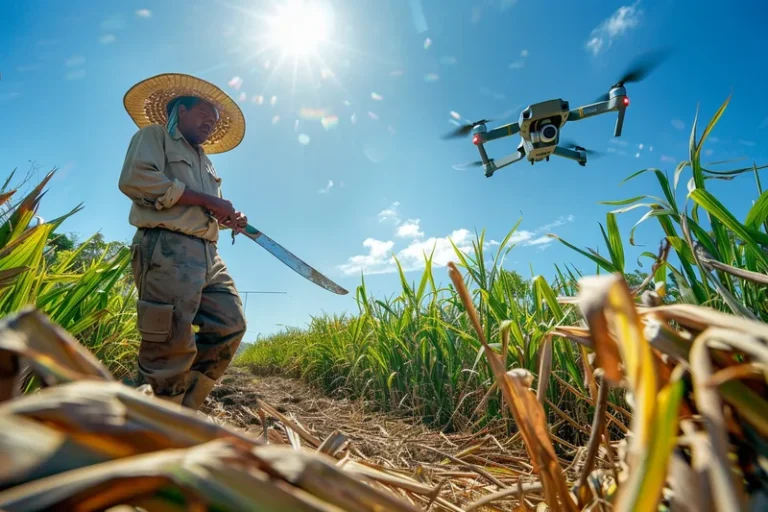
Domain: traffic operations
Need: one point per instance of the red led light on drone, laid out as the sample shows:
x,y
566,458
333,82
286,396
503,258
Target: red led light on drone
x,y
476,139
626,101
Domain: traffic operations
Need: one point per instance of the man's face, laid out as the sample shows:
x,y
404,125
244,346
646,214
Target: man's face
x,y
197,123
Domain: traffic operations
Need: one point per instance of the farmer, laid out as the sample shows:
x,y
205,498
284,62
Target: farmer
x,y
178,209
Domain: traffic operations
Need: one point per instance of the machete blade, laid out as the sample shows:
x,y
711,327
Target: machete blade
x,y
292,260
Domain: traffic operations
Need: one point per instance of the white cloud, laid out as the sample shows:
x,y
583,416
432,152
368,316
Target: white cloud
x,y
76,75
484,5
541,242
708,152
75,61
410,229
524,53
107,39
615,151
764,124
379,257
637,155
619,142
667,158
326,188
377,261
557,222
518,64
390,213
624,18
678,124
144,13
746,143
713,139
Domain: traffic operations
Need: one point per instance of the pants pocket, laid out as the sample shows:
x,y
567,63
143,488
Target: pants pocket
x,y
155,320
137,266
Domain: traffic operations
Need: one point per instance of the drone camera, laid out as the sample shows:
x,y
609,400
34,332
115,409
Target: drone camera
x,y
548,133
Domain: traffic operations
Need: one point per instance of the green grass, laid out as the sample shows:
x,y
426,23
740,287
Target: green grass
x,y
87,289
418,353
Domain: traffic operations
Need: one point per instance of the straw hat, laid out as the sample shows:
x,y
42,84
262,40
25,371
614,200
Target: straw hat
x,y
147,101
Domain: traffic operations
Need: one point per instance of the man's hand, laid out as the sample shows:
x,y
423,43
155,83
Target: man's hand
x,y
237,224
220,208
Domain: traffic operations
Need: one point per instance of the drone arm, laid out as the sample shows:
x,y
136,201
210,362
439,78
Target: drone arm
x,y
592,110
501,131
570,154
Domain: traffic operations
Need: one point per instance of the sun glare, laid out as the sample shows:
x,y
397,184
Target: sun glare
x,y
298,27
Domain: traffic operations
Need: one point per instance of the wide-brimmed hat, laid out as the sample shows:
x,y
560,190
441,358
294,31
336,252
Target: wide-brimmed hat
x,y
146,103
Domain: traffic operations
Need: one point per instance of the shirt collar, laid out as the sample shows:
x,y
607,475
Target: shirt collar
x,y
177,135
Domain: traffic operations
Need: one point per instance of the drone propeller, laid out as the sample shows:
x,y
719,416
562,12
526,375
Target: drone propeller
x,y
465,129
640,69
569,144
468,165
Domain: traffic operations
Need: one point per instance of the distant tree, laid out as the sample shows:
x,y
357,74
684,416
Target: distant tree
x,y
517,283
61,242
636,278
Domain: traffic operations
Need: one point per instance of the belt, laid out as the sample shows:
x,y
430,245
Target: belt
x,y
180,233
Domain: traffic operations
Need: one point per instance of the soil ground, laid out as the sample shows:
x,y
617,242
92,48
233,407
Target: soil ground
x,y
467,467
380,438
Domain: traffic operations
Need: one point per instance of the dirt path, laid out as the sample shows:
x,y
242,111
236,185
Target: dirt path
x,y
466,467
381,438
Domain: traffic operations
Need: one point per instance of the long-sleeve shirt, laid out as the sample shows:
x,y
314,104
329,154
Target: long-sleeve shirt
x,y
158,168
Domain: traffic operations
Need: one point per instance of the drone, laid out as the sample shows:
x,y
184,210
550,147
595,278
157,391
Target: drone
x,y
541,124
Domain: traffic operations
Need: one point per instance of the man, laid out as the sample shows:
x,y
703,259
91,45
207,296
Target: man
x,y
178,209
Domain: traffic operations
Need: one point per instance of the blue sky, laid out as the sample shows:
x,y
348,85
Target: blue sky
x,y
351,193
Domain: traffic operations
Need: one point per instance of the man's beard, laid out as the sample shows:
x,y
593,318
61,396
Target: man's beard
x,y
193,139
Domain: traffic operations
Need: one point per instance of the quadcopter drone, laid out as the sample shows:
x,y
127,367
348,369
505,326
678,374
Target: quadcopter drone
x,y
540,125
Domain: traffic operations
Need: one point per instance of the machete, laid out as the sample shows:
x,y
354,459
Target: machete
x,y
290,259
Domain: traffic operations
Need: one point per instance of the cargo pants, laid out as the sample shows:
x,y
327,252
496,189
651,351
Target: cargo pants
x,y
182,282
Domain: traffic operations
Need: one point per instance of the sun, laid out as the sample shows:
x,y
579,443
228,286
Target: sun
x,y
298,27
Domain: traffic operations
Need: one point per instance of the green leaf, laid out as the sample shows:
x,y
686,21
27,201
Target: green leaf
x,y
682,248
698,176
736,172
634,175
716,208
599,260
622,202
758,214
711,126
614,241
679,171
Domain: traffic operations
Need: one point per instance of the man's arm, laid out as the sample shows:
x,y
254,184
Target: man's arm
x,y
222,225
143,181
142,178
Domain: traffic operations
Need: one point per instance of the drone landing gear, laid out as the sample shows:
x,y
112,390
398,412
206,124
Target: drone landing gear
x,y
494,165
579,156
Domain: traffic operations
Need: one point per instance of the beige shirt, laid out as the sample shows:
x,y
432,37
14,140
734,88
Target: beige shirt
x,y
158,168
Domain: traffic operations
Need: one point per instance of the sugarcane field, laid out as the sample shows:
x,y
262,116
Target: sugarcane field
x,y
243,269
